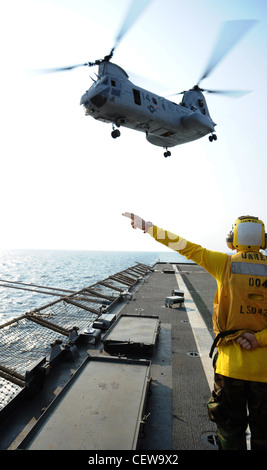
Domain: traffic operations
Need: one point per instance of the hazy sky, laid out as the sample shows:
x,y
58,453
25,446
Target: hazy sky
x,y
65,181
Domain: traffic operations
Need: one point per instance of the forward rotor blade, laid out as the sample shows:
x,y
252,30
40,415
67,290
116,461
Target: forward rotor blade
x,y
231,33
136,9
60,69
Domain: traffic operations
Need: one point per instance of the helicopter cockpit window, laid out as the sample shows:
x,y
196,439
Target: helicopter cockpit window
x,y
102,81
183,102
101,98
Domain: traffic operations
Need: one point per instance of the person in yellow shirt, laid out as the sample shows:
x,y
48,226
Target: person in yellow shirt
x,y
240,325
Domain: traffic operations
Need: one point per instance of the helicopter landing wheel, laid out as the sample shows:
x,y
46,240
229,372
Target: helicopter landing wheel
x,y
212,137
167,153
115,133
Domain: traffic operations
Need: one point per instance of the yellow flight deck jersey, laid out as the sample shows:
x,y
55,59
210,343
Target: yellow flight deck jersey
x,y
240,303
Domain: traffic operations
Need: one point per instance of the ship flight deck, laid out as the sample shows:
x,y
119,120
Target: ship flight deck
x,y
165,406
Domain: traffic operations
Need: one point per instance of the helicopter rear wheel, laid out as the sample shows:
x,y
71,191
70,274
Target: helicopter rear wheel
x,y
167,153
115,133
212,137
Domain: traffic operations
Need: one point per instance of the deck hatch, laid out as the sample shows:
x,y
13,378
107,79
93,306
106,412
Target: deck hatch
x,y
132,334
106,394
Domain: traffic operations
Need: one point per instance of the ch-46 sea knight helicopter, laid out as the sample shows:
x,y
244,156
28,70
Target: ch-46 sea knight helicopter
x,y
114,99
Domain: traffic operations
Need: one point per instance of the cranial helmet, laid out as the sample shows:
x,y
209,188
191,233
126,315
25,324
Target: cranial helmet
x,y
248,234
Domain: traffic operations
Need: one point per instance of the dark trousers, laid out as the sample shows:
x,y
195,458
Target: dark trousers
x,y
233,406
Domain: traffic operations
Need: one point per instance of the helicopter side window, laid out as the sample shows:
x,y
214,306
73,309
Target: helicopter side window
x,y
201,105
115,87
102,81
137,96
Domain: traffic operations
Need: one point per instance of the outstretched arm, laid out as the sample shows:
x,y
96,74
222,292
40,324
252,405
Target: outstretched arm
x,y
212,261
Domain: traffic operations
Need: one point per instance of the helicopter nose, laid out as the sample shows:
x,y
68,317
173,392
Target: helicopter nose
x,y
84,100
96,99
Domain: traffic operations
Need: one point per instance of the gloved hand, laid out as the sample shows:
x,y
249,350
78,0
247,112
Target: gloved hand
x,y
138,222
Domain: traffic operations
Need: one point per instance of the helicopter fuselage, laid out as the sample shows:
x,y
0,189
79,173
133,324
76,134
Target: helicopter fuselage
x,y
113,98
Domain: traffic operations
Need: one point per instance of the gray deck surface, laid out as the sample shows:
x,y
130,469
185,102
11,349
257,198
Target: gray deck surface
x,y
185,373
181,370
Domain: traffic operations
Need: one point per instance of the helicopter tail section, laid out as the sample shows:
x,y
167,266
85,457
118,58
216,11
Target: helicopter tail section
x,y
201,123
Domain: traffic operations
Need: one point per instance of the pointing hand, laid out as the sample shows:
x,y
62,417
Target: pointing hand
x,y
138,222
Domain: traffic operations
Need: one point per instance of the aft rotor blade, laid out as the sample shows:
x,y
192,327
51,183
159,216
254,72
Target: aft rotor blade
x,y
230,35
230,93
175,94
136,9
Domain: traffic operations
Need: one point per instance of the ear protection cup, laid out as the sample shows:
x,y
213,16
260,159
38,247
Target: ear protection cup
x,y
229,241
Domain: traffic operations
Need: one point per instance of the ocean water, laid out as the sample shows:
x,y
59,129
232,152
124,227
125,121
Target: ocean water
x,y
65,269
